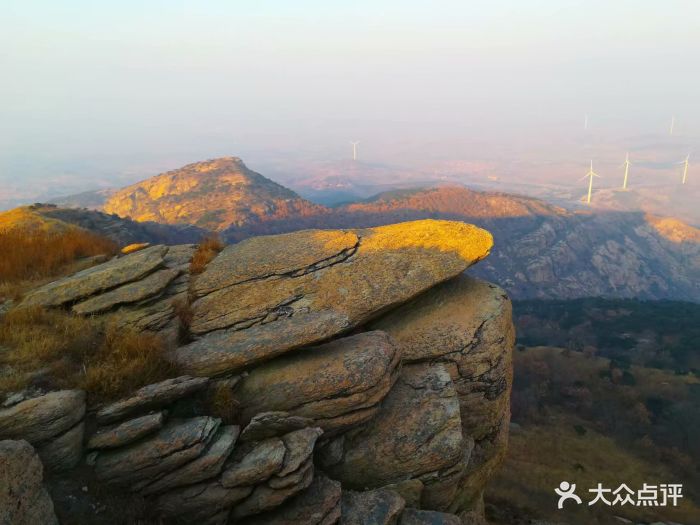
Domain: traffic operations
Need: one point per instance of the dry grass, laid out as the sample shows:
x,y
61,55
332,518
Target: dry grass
x,y
55,349
38,346
35,254
221,403
540,457
125,361
206,251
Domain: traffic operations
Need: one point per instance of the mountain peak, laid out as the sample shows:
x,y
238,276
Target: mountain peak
x,y
214,194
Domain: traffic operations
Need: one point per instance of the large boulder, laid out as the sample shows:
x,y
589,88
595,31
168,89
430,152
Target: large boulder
x,y
417,433
41,418
338,384
325,282
53,423
23,498
466,324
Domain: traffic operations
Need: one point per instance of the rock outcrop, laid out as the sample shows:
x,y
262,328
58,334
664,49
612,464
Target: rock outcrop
x,y
266,296
23,498
352,377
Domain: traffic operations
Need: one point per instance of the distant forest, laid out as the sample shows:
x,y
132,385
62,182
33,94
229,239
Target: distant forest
x,y
654,334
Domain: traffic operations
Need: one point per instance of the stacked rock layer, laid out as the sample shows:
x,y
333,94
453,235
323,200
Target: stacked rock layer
x,y
367,375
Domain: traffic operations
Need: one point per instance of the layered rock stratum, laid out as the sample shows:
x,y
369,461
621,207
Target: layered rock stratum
x,y
365,380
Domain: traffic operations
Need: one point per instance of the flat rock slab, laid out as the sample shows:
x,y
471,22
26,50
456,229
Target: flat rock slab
x,y
417,431
42,418
379,507
149,286
317,505
201,503
177,443
23,498
225,351
206,466
273,424
98,279
256,465
127,432
467,324
151,397
326,383
335,279
428,517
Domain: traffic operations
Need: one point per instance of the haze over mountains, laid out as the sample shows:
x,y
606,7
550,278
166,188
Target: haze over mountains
x,y
541,250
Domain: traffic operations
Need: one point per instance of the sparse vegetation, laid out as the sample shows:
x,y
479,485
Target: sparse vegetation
x,y
56,349
29,257
206,251
125,361
222,403
588,419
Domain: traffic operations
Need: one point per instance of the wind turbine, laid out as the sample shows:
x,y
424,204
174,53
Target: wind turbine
x,y
673,124
685,168
590,176
354,150
627,171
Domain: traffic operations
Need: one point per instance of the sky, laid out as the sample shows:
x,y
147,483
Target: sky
x,y
103,93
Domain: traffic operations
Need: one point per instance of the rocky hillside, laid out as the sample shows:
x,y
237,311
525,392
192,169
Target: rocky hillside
x,y
321,377
215,194
49,217
542,251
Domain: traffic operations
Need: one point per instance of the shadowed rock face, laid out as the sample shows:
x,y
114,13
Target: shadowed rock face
x,y
417,433
338,384
466,324
315,285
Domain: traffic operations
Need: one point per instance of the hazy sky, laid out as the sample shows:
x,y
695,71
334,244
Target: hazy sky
x,y
95,91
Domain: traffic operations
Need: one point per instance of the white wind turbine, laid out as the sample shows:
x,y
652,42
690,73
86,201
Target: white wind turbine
x,y
685,164
354,150
627,171
590,176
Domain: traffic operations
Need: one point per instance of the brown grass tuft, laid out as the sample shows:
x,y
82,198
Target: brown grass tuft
x,y
39,345
126,360
221,403
206,251
56,349
34,254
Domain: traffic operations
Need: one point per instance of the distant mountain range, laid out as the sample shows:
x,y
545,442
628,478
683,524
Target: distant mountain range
x,y
541,250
